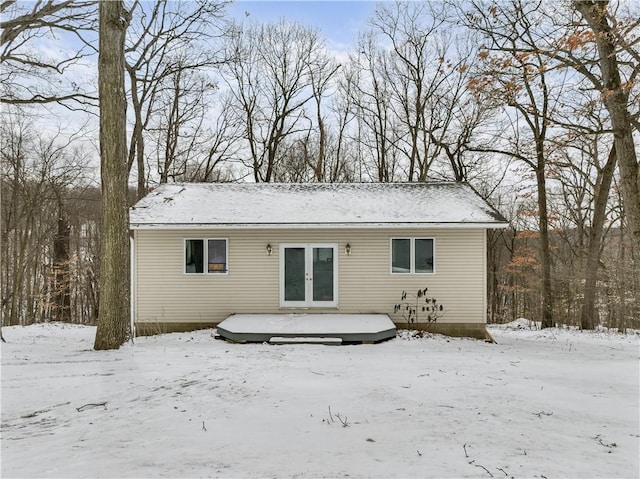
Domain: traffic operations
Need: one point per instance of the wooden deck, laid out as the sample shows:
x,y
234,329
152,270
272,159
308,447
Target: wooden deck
x,y
307,328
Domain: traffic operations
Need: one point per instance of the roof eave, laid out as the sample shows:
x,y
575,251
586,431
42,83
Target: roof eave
x,y
452,225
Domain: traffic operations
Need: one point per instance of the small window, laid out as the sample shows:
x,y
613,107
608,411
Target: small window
x,y
214,256
412,255
423,255
217,256
401,255
194,258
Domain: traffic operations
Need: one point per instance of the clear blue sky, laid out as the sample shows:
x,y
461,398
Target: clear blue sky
x,y
339,21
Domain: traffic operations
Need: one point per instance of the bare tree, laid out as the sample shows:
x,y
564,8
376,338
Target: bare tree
x,y
460,114
584,165
343,153
113,321
519,77
165,39
409,84
219,146
270,77
610,36
588,316
31,77
39,171
415,69
193,136
61,265
322,70
371,100
178,125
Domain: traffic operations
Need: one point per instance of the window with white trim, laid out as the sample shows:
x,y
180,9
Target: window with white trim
x,y
206,256
412,255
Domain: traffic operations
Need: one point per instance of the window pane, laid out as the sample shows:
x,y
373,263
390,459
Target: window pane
x,y
401,256
424,255
194,256
217,255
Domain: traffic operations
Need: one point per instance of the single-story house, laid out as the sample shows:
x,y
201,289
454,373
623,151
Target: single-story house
x,y
202,252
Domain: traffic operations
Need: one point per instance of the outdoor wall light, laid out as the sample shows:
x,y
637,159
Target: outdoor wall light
x,y
269,249
347,249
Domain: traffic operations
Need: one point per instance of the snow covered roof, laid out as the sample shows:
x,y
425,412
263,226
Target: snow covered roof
x,y
313,205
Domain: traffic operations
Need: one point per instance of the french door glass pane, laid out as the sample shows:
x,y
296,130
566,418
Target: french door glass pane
x,y
322,274
424,255
294,275
401,255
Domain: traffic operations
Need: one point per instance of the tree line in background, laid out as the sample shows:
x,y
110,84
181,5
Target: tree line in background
x,y
534,104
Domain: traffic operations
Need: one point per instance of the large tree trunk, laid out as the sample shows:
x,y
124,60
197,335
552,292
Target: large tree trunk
x,y
588,314
113,320
61,269
616,99
545,251
2,294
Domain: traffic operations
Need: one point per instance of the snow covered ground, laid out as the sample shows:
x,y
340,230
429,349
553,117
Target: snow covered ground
x,y
552,403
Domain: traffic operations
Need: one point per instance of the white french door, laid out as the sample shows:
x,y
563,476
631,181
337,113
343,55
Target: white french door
x,y
308,275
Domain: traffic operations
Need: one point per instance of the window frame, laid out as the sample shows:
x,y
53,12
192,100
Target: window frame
x,y
412,255
205,257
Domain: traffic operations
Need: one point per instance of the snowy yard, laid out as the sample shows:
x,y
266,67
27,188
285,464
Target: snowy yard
x,y
551,403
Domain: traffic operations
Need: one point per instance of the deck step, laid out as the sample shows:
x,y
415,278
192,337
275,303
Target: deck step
x,y
322,328
304,340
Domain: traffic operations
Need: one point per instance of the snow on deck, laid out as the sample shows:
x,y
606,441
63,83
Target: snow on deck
x,y
348,327
317,204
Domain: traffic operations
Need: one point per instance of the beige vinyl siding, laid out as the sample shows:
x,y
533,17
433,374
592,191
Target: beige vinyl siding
x,y
164,293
